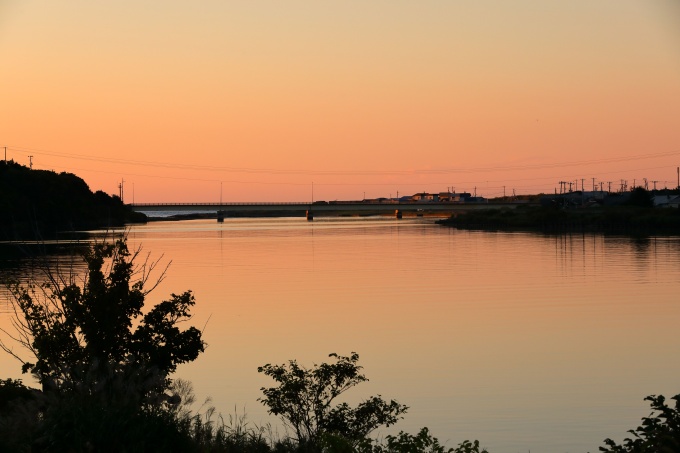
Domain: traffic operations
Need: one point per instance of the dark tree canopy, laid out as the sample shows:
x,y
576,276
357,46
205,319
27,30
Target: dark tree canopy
x,y
659,432
304,398
85,331
640,197
40,203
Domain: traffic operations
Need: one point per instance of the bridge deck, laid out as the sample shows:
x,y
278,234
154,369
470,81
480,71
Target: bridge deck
x,y
319,208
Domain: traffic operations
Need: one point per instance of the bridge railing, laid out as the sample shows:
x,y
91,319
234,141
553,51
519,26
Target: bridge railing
x,y
258,203
306,203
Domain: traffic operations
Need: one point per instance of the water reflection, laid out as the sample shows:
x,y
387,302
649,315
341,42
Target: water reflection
x,y
525,341
25,262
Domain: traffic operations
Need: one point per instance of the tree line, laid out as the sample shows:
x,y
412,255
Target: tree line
x,y
41,203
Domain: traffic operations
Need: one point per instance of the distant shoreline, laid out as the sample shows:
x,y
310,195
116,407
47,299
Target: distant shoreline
x,y
632,220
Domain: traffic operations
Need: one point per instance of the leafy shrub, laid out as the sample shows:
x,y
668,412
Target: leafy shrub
x,y
103,363
659,432
81,333
304,399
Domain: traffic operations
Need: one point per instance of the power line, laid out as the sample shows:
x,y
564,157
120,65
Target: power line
x,y
444,170
530,182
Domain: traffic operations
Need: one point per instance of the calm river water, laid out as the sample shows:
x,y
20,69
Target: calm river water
x,y
525,342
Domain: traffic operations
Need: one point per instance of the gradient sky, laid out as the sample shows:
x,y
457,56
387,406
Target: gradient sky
x,y
180,98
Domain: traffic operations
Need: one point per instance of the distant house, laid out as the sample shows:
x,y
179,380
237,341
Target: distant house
x,y
441,197
666,201
425,197
582,198
455,197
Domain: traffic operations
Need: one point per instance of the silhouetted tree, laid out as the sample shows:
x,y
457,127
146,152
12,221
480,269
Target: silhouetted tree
x,y
304,399
640,197
659,432
93,332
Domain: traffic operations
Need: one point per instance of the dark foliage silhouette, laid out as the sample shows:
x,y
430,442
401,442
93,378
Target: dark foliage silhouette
x,y
304,398
41,203
103,361
659,432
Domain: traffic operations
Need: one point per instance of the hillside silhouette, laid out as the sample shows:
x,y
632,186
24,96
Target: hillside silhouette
x,y
39,204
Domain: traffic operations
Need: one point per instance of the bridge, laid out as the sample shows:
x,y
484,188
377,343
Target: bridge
x,y
320,208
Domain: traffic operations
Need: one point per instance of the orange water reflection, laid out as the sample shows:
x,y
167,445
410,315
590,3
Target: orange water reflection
x,y
523,341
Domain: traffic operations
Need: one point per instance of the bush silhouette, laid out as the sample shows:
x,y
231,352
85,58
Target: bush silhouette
x,y
103,362
304,399
659,432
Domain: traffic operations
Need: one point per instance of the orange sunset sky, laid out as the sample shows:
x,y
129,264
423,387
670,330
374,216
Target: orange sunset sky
x,y
264,99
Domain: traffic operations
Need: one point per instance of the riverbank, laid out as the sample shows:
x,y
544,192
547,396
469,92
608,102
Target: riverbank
x,y
603,219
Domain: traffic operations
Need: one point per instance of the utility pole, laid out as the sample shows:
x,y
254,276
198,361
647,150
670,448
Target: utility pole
x,y
593,184
610,187
563,187
582,179
601,186
6,158
655,184
30,160
646,185
120,189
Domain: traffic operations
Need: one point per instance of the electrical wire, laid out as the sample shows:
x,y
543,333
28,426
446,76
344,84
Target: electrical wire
x,y
270,171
